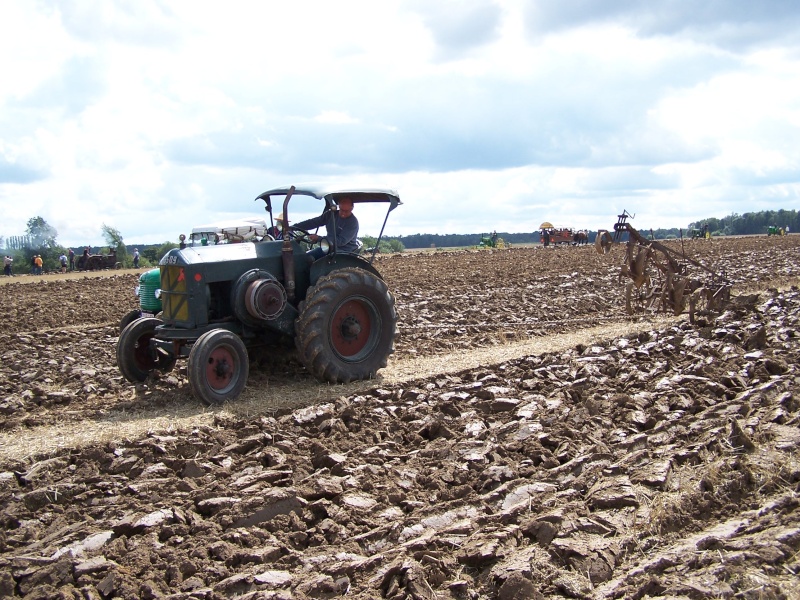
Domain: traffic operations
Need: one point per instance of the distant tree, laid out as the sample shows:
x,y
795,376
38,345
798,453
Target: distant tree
x,y
368,241
114,240
396,245
42,234
40,239
387,245
153,254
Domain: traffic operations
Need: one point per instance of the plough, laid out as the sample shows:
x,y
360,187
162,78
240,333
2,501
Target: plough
x,y
657,276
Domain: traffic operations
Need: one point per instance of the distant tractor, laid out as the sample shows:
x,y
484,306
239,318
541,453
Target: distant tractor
x,y
220,301
491,241
98,262
699,233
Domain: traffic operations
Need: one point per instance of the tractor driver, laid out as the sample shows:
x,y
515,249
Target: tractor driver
x,y
345,224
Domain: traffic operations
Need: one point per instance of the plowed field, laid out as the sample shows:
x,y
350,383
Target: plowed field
x,y
527,440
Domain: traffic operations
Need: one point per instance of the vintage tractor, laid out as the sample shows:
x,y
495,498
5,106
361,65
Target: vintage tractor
x,y
98,262
220,301
658,277
491,241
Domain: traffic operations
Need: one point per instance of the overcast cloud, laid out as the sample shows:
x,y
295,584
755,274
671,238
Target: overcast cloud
x,y
152,116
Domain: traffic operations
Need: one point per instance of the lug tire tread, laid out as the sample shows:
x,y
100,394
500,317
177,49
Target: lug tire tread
x,y
312,343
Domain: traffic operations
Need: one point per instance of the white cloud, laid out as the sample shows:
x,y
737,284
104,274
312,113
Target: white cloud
x,y
335,117
151,116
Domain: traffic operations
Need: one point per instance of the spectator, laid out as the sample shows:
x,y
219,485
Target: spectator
x,y
7,266
71,255
135,258
63,260
37,261
33,265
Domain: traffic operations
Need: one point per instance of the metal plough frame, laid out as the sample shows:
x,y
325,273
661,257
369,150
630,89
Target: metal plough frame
x,y
657,278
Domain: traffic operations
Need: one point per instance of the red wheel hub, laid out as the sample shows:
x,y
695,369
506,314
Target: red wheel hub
x,y
220,368
351,328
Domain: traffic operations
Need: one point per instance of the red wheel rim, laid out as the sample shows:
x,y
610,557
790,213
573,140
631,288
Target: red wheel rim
x,y
351,328
221,368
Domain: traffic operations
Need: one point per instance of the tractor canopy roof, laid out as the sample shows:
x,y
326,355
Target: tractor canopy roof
x,y
332,194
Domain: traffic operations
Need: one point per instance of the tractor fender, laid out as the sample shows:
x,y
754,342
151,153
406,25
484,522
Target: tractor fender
x,y
334,262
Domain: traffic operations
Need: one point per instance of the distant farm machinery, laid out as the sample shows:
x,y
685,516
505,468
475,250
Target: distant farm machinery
x,y
491,241
97,262
657,276
549,235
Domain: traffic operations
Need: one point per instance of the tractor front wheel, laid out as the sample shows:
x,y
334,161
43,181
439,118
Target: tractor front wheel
x,y
129,318
135,358
218,366
347,325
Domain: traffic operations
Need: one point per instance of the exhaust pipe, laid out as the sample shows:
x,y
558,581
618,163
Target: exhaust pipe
x,y
287,255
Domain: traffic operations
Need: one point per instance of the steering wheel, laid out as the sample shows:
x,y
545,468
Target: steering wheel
x,y
301,235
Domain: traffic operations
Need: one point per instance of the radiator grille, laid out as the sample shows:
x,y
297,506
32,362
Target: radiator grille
x,y
173,294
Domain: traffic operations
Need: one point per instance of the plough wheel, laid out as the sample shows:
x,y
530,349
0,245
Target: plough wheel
x,y
603,241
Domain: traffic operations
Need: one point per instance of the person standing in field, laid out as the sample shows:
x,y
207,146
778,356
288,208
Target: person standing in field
x,y
63,260
7,266
71,255
135,258
37,261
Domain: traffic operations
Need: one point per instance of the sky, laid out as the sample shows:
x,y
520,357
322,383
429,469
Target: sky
x,y
153,116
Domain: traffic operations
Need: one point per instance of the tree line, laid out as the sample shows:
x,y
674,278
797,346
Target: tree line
x,y
41,238
751,223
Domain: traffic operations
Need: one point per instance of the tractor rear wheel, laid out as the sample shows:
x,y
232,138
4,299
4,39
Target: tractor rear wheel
x,y
347,325
135,358
218,366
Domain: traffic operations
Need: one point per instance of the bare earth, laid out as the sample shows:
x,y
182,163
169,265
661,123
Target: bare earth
x,y
528,440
